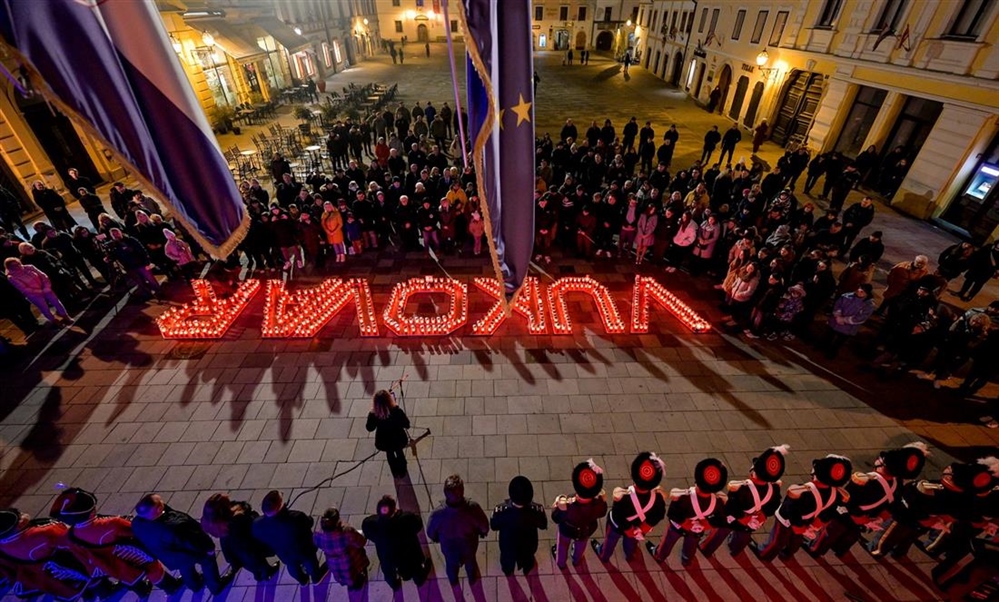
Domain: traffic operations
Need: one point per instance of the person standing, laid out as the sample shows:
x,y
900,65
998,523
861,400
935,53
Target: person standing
x,y
806,508
982,265
395,534
289,533
711,140
713,98
389,423
36,287
134,259
343,547
636,510
577,516
693,511
750,503
53,205
179,542
426,48
732,137
92,205
457,525
232,523
33,549
517,520
760,136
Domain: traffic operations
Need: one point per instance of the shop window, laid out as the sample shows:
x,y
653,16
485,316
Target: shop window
x,y
761,24
969,19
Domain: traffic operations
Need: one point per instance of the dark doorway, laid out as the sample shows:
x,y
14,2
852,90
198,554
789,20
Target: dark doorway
x,y
658,56
59,140
699,78
754,105
605,40
913,126
740,96
677,70
797,107
422,33
13,186
864,111
724,82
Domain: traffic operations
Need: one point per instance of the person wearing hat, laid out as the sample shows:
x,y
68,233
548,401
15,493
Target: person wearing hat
x,y
289,533
457,525
806,508
981,519
32,557
927,505
396,535
517,520
179,542
750,503
577,516
871,496
636,510
106,547
693,511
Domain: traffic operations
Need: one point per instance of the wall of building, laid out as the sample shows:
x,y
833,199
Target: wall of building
x,y
398,19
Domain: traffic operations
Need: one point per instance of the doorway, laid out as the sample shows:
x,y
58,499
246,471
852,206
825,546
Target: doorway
x,y
740,96
581,40
422,33
59,140
699,78
677,70
605,40
724,82
658,56
797,107
754,105
912,127
562,40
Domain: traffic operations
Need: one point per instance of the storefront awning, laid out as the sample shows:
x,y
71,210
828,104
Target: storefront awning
x,y
283,34
229,39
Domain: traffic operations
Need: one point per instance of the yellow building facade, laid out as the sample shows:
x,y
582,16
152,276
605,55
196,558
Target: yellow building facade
x,y
843,75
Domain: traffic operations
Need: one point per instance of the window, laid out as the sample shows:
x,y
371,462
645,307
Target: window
x,y
714,19
563,13
582,13
634,15
539,13
396,2
454,26
740,18
761,23
860,119
778,30
673,23
608,13
704,20
830,10
969,19
683,22
890,15
690,22
398,26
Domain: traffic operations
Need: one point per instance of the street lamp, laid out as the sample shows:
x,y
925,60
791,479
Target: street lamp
x,y
761,60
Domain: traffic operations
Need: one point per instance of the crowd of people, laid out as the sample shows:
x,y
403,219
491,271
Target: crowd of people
x,y
78,552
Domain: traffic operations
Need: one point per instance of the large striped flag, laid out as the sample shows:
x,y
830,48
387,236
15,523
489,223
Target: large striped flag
x,y
501,118
109,64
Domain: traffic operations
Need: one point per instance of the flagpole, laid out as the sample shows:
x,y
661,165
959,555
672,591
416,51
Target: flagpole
x,y
454,85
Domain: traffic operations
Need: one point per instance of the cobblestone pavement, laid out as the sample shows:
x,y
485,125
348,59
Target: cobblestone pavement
x,y
112,407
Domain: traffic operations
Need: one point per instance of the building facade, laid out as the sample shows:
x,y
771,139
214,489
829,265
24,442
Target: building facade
x,y
844,75
415,21
561,25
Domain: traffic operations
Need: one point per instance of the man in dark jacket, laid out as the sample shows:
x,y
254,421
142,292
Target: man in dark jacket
x,y
289,534
870,247
134,259
457,525
179,542
395,534
711,140
517,520
729,140
856,217
119,198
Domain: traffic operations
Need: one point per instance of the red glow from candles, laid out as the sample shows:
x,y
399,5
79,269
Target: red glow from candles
x,y
529,303
208,317
606,308
646,288
303,313
405,325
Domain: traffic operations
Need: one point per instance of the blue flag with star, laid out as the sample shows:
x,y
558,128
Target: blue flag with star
x,y
501,126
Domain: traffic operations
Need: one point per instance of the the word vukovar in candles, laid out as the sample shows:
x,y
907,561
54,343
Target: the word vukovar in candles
x,y
303,314
606,308
403,324
529,304
208,317
646,288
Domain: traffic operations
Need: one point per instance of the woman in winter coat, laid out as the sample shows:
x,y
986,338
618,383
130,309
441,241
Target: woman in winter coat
x,y
333,227
36,288
740,256
179,252
646,236
232,522
739,299
683,241
856,273
389,423
476,228
707,238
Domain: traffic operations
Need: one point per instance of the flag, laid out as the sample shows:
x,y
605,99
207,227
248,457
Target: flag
x,y
109,64
501,125
903,40
884,34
